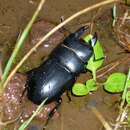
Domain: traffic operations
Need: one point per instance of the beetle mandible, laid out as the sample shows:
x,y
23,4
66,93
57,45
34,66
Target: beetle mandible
x,y
58,73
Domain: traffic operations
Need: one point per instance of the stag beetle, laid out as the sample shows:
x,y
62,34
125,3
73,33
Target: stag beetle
x,y
58,73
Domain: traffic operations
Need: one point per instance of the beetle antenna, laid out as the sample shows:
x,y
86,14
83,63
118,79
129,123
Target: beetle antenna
x,y
93,40
80,31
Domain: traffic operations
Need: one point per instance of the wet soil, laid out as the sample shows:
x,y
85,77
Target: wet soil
x,y
14,102
14,16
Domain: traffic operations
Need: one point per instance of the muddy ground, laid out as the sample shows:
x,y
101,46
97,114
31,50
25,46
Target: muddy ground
x,y
15,14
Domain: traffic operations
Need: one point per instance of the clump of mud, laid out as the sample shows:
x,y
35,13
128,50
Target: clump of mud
x,y
13,104
40,29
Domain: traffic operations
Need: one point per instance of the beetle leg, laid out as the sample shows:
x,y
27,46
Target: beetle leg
x,y
52,112
84,70
68,95
69,88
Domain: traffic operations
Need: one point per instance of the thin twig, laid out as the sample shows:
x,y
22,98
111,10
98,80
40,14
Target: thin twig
x,y
54,30
111,66
38,110
101,118
121,117
125,90
92,21
10,122
124,19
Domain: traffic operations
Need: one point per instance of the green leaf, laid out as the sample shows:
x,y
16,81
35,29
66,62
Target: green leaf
x,y
94,63
115,82
91,85
80,89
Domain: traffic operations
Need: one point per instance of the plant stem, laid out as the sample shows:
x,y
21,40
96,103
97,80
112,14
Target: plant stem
x,y
20,42
54,30
125,90
94,74
114,13
27,122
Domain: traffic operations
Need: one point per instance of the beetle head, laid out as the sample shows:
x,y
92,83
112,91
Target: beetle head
x,y
80,31
76,36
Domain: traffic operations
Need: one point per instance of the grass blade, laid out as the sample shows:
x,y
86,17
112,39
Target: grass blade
x,y
27,122
20,43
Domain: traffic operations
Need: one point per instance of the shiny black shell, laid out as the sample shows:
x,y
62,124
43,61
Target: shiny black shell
x,y
58,73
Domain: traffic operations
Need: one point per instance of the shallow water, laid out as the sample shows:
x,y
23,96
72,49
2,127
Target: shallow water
x,y
15,14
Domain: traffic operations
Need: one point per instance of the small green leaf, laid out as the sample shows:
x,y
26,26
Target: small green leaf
x,y
115,82
91,85
94,63
80,89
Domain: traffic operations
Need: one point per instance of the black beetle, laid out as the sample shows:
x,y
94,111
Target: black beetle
x,y
58,73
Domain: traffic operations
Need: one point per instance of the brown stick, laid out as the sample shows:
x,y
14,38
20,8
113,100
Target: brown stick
x,y
113,65
101,118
